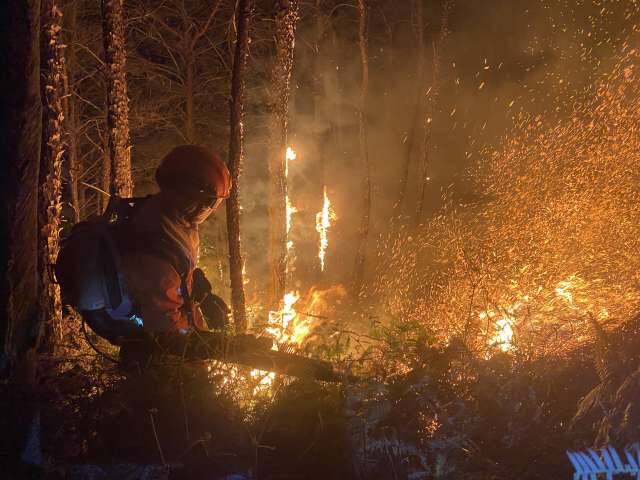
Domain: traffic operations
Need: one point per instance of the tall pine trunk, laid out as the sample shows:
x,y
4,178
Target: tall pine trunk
x,y
69,106
18,183
50,178
236,156
286,21
19,155
430,108
363,233
117,100
416,117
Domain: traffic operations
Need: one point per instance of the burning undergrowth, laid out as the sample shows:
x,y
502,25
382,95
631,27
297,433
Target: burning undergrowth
x,y
550,246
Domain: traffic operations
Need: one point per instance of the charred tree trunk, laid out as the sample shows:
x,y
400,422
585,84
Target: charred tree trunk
x,y
363,233
20,153
286,21
236,154
414,127
70,115
117,100
50,178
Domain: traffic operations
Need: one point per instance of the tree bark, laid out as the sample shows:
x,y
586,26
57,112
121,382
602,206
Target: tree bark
x,y
107,176
188,99
414,127
117,100
286,22
236,157
50,177
70,114
363,233
21,150
429,109
19,153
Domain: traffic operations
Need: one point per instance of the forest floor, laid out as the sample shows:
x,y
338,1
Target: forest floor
x,y
444,414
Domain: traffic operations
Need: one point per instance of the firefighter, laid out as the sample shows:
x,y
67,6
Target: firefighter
x,y
171,296
160,260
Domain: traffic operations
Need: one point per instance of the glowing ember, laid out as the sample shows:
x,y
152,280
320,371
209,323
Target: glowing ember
x,y
562,291
323,222
557,230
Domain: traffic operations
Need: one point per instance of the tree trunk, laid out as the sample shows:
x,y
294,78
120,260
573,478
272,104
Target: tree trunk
x,y
429,109
188,101
236,156
19,154
21,145
286,21
70,114
414,126
107,176
50,177
117,100
363,233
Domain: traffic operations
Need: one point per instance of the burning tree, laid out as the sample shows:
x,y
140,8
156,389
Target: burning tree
x,y
236,145
286,21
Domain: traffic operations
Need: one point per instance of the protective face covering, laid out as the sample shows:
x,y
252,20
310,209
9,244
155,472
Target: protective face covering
x,y
199,207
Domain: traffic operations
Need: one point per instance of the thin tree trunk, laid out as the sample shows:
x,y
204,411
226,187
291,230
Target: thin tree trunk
x,y
286,21
107,176
363,233
117,100
429,110
50,178
188,100
414,126
236,156
19,155
70,114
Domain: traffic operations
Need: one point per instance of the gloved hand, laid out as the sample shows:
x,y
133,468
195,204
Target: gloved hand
x,y
215,311
200,286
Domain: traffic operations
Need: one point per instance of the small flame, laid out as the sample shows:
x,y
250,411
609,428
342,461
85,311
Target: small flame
x,y
285,326
290,211
503,337
289,208
288,156
323,222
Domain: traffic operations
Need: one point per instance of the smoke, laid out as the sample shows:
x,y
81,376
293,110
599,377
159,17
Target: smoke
x,y
495,61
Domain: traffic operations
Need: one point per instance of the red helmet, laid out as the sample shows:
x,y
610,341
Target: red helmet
x,y
194,168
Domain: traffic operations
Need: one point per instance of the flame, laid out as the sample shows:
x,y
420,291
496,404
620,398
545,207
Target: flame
x,y
503,337
289,208
288,156
290,211
285,326
323,222
245,278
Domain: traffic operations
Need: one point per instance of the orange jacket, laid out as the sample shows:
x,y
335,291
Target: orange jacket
x,y
158,236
